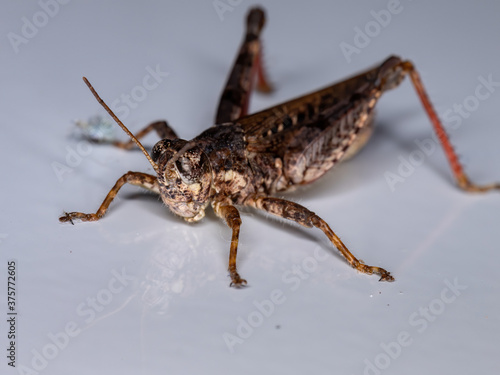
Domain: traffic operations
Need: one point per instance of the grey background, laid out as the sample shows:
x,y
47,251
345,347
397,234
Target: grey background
x,y
173,307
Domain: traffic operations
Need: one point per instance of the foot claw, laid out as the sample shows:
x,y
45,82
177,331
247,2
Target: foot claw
x,y
386,277
67,217
70,216
465,184
370,270
237,281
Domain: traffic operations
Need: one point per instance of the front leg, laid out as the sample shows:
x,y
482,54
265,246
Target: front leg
x,y
301,215
144,180
231,216
161,127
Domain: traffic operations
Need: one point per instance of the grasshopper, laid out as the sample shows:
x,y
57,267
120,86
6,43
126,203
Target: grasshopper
x,y
244,160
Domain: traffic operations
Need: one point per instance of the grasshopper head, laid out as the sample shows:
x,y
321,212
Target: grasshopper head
x,y
184,172
185,177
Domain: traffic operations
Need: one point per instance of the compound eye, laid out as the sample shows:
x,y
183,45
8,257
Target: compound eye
x,y
159,148
191,166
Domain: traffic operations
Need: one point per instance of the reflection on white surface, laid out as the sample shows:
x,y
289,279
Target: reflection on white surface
x,y
176,270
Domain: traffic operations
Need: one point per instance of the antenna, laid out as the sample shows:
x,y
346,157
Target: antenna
x,y
155,167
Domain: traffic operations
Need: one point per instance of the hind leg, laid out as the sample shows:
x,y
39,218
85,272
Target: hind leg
x,y
406,67
246,69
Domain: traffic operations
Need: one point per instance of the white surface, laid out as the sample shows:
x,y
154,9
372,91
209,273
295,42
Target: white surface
x,y
172,317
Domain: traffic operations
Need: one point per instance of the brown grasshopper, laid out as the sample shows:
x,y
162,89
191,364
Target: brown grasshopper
x,y
244,160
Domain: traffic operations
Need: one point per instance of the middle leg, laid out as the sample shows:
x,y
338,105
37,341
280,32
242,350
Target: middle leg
x,y
301,215
162,128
